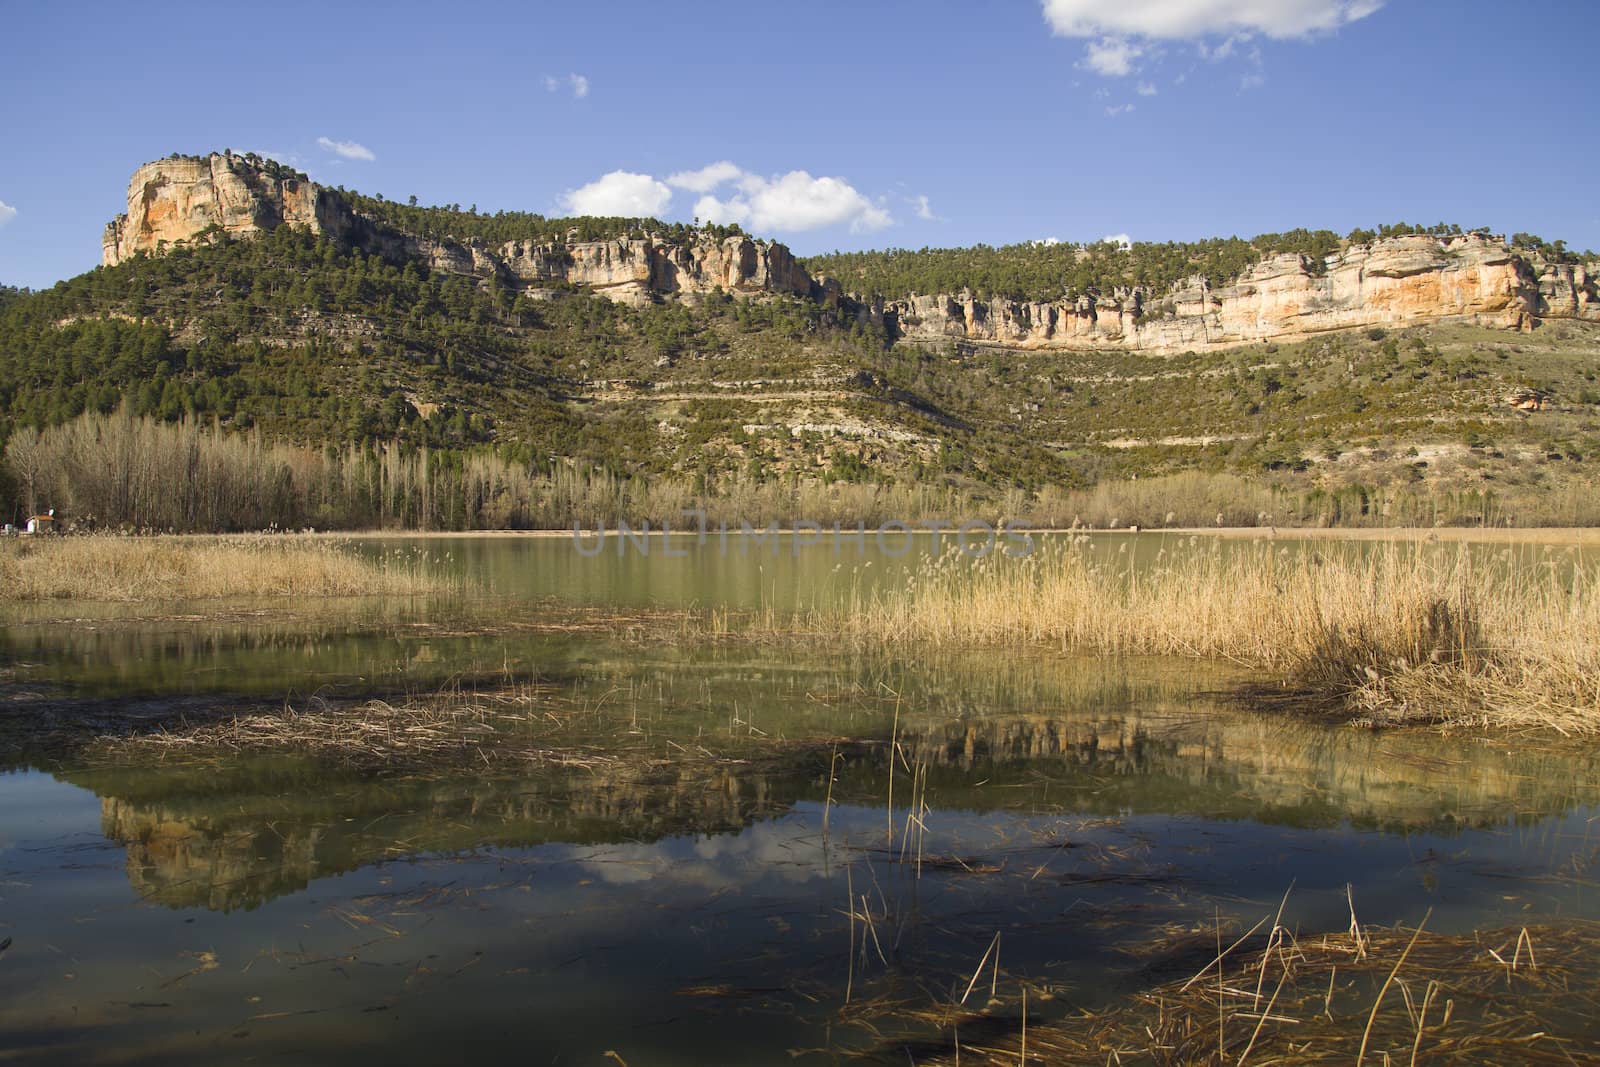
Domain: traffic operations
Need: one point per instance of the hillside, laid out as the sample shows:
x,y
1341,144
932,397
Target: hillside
x,y
237,292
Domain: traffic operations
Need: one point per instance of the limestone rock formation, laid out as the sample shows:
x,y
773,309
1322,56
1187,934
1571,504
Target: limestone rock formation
x,y
183,198
1394,281
173,200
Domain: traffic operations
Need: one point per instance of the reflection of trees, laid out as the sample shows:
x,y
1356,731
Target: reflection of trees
x,y
1253,766
226,850
237,837
1022,734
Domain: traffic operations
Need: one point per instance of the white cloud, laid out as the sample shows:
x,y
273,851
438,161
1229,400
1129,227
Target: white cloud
x,y
619,193
1123,33
1252,81
794,201
7,212
706,178
1112,56
924,209
1121,240
1119,109
1146,89
347,149
1188,19
578,83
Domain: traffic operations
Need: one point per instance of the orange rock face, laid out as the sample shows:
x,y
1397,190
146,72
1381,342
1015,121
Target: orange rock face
x,y
173,200
1397,281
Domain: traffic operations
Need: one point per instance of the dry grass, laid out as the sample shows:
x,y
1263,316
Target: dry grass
x,y
1368,996
165,568
377,733
513,723
1401,633
481,727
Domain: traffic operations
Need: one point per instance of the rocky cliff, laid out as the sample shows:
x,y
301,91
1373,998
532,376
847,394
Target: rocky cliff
x,y
1390,282
176,199
184,198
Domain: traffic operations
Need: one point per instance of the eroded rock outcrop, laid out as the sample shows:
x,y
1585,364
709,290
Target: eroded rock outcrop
x,y
183,199
177,199
642,268
1395,281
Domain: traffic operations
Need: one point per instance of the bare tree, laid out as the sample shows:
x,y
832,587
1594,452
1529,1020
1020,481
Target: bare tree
x,y
26,458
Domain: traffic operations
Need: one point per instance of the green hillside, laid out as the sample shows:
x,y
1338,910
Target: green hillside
x,y
293,338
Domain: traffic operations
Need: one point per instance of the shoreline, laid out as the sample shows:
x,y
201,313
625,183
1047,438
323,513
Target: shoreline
x,y
1552,535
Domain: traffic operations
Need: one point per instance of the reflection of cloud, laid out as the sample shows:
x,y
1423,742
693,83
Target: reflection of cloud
x,y
788,849
625,870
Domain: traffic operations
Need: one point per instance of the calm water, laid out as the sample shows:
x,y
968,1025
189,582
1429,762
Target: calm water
x,y
274,909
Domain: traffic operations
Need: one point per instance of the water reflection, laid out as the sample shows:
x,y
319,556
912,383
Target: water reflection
x,y
1077,738
679,909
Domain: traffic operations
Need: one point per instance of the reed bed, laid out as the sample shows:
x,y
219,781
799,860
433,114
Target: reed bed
x,y
375,733
515,724
1366,996
1397,633
163,568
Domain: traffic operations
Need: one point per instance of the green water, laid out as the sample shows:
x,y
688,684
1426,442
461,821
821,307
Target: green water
x,y
275,908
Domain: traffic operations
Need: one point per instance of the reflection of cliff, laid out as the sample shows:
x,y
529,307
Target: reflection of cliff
x,y
228,850
240,837
1250,766
1020,735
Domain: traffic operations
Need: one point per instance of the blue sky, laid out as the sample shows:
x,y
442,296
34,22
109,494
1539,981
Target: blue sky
x,y
828,125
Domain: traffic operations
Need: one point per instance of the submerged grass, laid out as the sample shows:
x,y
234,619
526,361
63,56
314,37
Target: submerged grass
x,y
1397,633
169,568
512,724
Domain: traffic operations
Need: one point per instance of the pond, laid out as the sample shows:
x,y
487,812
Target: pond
x,y
772,851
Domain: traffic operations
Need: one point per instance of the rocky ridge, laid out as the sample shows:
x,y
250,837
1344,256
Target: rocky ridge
x,y
171,201
1394,281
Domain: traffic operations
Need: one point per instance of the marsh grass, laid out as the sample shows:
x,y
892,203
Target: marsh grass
x,y
1366,996
172,568
514,723
1397,633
